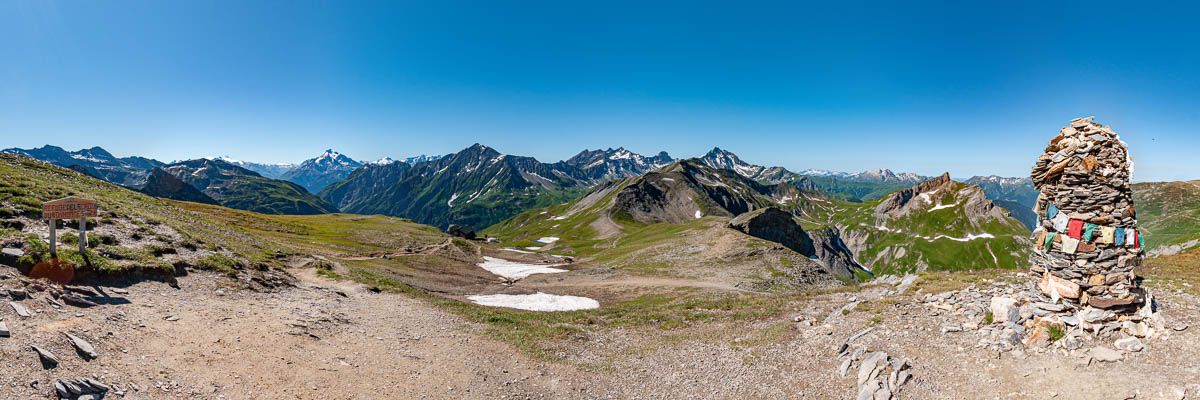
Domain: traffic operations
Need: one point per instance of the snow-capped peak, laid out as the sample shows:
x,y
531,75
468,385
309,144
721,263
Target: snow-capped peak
x,y
383,161
823,172
720,158
227,159
621,154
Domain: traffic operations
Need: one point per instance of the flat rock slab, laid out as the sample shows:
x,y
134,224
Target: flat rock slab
x,y
48,358
20,309
82,346
77,301
18,294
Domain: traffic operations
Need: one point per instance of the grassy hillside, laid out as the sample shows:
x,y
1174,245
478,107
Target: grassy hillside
x,y
134,230
922,241
137,232
704,249
1169,212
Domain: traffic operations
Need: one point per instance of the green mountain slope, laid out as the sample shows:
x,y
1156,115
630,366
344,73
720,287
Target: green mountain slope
x,y
938,224
477,186
236,187
161,183
1169,213
854,191
935,225
656,219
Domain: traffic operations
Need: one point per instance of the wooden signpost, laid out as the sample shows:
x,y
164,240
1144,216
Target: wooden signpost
x,y
67,208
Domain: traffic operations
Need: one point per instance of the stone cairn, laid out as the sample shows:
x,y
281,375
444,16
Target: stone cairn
x,y
1088,242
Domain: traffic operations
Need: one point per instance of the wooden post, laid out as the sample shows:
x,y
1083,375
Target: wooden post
x,y
82,234
53,241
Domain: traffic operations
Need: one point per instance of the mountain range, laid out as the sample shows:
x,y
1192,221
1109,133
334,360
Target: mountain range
x,y
483,195
937,224
95,161
317,173
478,186
236,187
267,188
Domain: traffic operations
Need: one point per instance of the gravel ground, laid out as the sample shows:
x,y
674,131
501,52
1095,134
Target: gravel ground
x,y
335,340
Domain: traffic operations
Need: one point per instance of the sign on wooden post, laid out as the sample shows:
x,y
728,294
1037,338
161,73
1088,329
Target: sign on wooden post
x,y
67,208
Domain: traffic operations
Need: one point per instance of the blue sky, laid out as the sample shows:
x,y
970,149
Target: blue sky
x,y
920,87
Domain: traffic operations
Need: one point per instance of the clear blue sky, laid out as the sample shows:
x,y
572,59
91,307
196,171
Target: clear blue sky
x,y
920,87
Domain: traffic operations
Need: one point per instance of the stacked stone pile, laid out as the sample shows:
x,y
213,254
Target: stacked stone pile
x,y
1088,242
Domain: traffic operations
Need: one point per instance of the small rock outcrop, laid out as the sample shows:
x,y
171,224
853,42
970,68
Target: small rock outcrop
x,y
775,225
461,231
80,389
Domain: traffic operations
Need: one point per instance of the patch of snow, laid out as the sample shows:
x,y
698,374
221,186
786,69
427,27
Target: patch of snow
x,y
668,179
451,201
536,302
534,248
747,170
621,154
883,227
559,218
547,240
699,214
942,206
85,158
925,196
518,251
969,237
516,270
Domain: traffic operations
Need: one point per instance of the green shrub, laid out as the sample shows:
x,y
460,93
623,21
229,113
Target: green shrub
x,y
101,239
68,238
39,251
8,212
158,250
1055,333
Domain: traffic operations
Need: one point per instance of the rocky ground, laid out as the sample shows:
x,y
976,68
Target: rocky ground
x,y
325,339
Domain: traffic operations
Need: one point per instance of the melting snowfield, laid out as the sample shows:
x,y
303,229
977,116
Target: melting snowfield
x,y
536,302
547,240
516,270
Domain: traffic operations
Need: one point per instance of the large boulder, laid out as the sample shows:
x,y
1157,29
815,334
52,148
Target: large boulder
x,y
10,256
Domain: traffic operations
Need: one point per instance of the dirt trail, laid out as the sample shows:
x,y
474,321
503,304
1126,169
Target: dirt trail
x,y
305,343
